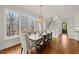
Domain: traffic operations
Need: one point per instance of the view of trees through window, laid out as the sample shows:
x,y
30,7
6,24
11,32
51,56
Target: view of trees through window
x,y
24,23
12,23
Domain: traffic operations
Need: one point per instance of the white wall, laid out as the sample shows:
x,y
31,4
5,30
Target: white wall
x,y
76,26
71,27
2,24
5,43
9,42
57,28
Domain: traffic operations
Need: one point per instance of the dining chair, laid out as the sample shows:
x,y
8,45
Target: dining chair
x,y
50,38
25,44
40,45
46,41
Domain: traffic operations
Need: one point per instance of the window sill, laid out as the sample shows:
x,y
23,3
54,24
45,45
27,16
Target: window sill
x,y
16,36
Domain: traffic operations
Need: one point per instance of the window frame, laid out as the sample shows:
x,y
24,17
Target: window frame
x,y
5,16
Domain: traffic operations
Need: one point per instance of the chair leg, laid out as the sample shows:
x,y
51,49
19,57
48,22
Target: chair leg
x,y
21,50
27,52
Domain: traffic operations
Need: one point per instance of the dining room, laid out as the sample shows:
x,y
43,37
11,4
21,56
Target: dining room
x,y
39,29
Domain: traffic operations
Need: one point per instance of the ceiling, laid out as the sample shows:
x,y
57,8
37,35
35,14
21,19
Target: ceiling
x,y
50,10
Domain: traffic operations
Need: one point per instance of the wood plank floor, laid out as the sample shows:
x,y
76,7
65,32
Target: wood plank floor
x,y
62,45
12,50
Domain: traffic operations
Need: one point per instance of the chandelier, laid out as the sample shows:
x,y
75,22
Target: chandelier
x,y
40,19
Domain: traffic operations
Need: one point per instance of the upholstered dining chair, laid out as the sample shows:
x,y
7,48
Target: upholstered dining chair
x,y
40,45
46,41
50,38
25,44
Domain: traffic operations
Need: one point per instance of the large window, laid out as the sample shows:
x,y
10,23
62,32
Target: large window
x,y
16,23
27,24
24,23
12,23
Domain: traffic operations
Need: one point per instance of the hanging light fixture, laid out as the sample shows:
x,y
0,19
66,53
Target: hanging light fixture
x,y
40,18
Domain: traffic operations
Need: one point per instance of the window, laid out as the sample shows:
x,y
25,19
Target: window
x,y
24,24
12,23
27,24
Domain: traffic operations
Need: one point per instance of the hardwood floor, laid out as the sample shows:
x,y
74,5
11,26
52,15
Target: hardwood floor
x,y
62,45
12,50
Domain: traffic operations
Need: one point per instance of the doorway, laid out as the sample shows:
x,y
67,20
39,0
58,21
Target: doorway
x,y
64,27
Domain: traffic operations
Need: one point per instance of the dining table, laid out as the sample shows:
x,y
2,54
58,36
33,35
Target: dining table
x,y
44,33
34,38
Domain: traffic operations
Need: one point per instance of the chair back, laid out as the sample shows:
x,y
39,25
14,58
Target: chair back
x,y
25,44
